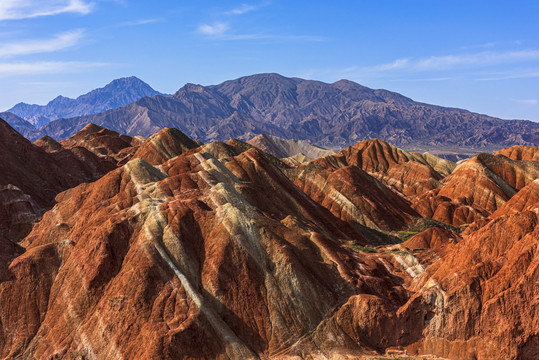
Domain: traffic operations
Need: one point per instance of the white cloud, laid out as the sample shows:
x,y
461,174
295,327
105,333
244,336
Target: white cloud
x,y
24,9
35,46
215,29
47,67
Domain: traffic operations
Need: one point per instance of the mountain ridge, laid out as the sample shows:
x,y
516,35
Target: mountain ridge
x,y
328,115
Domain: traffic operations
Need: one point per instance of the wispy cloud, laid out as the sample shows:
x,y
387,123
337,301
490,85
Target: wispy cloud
x,y
142,22
490,45
47,67
221,31
215,29
25,9
515,74
35,46
526,101
448,62
243,9
425,79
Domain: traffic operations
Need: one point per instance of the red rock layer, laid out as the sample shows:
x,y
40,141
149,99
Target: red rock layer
x,y
520,152
402,171
164,145
216,253
450,211
354,196
431,238
488,293
526,199
31,175
30,178
476,188
103,142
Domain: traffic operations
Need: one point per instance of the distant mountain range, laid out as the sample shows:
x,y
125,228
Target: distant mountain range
x,y
330,115
118,93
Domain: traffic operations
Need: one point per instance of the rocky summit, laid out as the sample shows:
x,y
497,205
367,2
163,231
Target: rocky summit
x,y
121,247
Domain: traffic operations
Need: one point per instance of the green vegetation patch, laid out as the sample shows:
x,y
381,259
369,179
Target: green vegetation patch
x,y
366,249
423,224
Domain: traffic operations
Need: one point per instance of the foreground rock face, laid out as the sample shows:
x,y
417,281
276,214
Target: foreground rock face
x,y
32,175
224,251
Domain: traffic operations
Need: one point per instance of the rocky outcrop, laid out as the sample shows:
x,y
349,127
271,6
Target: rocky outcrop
x,y
526,199
487,294
103,143
354,196
149,256
443,167
432,238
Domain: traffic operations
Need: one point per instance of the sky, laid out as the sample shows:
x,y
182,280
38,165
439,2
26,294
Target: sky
x,y
478,55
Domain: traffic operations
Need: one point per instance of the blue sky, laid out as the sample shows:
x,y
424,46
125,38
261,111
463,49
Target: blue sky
x,y
478,55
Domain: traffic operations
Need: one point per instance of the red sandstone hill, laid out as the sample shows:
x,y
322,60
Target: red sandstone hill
x,y
406,173
223,251
103,142
32,175
520,152
476,188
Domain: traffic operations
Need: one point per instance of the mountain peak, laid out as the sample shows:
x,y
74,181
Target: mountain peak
x,y
127,81
193,87
117,93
